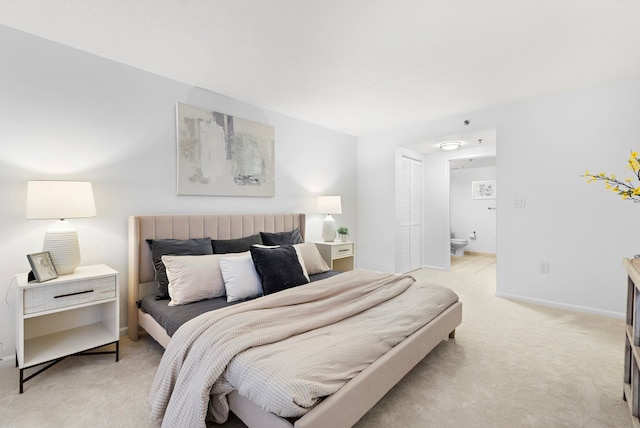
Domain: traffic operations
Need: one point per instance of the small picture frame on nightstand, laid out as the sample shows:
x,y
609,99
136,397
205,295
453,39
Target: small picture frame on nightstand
x,y
42,266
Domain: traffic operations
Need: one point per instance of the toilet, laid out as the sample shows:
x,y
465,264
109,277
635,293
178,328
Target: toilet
x,y
457,246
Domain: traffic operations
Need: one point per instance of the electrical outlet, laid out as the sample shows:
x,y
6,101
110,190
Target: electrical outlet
x,y
543,267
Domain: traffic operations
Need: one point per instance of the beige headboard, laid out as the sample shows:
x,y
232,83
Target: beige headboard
x,y
214,226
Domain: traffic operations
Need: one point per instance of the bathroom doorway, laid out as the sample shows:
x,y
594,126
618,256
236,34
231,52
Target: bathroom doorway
x,y
472,213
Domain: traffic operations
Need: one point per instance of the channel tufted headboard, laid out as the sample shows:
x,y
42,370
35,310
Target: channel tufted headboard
x,y
214,226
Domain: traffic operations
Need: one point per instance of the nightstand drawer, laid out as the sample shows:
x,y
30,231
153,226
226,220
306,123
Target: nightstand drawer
x,y
338,255
56,296
342,250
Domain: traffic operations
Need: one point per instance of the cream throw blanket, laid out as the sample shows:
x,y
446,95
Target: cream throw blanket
x,y
326,322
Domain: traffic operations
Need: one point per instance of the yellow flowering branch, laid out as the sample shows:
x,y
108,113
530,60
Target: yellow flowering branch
x,y
624,188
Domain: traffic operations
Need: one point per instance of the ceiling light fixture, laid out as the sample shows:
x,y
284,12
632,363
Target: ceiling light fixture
x,y
450,145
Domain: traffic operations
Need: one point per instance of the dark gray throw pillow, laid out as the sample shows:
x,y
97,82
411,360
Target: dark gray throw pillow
x,y
278,268
175,247
282,238
239,245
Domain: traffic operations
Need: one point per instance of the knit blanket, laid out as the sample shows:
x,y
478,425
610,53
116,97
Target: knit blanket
x,y
288,350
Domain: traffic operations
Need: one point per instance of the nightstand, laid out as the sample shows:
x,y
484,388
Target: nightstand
x,y
338,255
66,316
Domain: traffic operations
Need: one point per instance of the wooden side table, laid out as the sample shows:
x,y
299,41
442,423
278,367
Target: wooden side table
x,y
631,386
338,255
66,316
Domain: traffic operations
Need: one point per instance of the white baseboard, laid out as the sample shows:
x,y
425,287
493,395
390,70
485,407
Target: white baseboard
x,y
576,308
480,253
432,267
124,331
8,361
421,267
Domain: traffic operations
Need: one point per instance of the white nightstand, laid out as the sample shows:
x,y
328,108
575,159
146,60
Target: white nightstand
x,y
66,316
338,255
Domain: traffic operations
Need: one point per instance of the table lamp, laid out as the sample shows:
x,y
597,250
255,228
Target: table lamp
x,y
329,205
61,200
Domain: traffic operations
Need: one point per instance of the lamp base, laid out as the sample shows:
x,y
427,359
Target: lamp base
x,y
329,229
61,241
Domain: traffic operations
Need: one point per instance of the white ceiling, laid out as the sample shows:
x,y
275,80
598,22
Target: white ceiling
x,y
468,140
358,66
468,163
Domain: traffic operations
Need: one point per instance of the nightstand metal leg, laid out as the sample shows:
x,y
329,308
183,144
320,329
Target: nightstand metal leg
x,y
54,362
25,379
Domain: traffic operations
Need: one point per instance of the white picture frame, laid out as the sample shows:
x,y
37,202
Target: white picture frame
x,y
483,189
42,266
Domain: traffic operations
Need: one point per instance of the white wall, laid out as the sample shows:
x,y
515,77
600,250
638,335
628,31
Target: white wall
x,y
376,245
543,146
73,116
467,215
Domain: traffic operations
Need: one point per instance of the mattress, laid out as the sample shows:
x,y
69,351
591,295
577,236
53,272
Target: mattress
x,y
172,317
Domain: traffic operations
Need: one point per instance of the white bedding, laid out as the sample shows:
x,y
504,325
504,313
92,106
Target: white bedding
x,y
288,350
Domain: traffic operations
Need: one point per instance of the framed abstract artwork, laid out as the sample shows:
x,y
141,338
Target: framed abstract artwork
x,y
222,155
485,189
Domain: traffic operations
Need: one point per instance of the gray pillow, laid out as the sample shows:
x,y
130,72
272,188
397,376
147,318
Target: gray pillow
x,y
282,238
174,247
239,245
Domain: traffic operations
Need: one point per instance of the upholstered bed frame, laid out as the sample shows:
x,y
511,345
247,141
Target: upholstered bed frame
x,y
342,409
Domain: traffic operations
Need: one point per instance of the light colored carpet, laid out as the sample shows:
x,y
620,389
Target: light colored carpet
x,y
511,365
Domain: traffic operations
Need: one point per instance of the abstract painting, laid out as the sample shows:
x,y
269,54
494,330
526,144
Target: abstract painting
x,y
483,189
222,155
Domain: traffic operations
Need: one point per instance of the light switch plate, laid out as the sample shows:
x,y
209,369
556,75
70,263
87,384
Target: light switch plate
x,y
518,202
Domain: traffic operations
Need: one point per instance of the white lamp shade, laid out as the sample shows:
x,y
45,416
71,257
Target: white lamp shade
x,y
61,200
329,205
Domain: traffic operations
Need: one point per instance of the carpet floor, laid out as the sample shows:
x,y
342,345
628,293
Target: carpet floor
x,y
511,365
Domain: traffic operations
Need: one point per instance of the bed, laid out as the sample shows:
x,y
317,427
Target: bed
x,y
342,408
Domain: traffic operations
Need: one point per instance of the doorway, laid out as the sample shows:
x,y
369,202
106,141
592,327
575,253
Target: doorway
x,y
436,172
472,212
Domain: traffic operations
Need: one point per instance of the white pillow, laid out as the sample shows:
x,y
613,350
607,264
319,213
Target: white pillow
x,y
194,278
312,261
241,280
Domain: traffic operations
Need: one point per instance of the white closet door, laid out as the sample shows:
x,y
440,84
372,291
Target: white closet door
x,y
410,212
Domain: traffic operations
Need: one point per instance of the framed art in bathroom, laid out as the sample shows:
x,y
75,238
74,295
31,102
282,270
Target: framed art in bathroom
x,y
485,189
